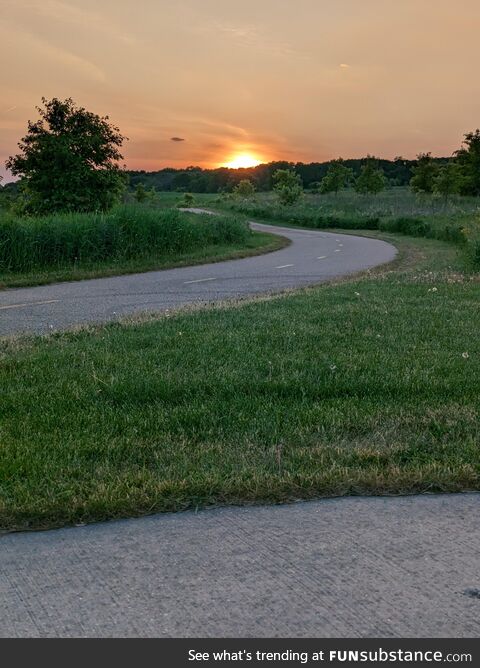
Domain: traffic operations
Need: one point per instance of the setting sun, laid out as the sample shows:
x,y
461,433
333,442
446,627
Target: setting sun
x,y
242,160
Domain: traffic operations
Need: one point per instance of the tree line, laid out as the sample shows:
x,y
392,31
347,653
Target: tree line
x,y
397,172
69,160
459,174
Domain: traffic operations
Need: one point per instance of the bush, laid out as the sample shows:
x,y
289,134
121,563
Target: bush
x,y
414,227
128,232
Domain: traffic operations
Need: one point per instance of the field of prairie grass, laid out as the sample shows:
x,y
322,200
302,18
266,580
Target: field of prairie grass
x,y
130,238
396,210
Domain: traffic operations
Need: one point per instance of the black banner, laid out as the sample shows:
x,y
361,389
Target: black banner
x,y
204,653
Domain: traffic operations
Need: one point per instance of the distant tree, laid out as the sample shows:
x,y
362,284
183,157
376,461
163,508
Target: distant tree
x,y
371,179
69,160
468,158
244,188
337,177
424,174
188,200
140,193
152,195
448,180
288,186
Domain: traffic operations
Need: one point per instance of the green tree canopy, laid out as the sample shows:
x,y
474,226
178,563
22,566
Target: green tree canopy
x,y
468,158
424,174
288,185
244,188
337,177
140,193
448,180
371,179
69,160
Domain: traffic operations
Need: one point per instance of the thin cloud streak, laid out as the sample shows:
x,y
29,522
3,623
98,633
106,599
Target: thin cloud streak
x,y
65,13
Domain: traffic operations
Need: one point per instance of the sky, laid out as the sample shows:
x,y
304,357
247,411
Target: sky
x,y
303,80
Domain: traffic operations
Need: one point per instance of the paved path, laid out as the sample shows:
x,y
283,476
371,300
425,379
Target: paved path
x,y
311,258
360,567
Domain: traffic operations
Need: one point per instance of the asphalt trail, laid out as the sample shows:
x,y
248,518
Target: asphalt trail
x,y
312,257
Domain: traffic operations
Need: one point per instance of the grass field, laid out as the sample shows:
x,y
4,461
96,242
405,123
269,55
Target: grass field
x,y
129,239
364,386
396,210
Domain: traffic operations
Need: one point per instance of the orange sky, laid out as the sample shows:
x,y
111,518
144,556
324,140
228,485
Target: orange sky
x,y
282,79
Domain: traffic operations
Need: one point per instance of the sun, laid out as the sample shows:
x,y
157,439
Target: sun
x,y
242,160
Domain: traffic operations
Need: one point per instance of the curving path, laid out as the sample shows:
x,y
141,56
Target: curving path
x,y
356,567
312,257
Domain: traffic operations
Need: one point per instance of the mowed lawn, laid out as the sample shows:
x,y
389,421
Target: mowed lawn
x,y
364,386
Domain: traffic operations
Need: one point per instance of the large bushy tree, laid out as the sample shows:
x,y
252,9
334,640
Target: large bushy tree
x,y
468,159
69,160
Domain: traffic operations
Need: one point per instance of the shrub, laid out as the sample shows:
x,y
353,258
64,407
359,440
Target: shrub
x,y
415,227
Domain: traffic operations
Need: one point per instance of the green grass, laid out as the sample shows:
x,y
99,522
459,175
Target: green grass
x,y
396,210
364,386
129,239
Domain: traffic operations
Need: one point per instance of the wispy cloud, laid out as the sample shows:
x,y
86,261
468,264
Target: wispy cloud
x,y
250,36
62,12
64,58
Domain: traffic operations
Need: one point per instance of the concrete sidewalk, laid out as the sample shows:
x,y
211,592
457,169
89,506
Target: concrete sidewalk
x,y
360,567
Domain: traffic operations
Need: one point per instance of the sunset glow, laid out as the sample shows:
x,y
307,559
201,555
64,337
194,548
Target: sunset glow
x,y
297,82
242,160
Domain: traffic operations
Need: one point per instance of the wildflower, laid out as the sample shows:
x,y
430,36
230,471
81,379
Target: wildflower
x,y
333,367
357,294
465,356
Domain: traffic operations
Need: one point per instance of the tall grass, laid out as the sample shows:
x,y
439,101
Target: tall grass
x,y
397,210
126,233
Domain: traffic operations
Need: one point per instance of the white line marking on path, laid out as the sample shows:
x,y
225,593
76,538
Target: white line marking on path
x,y
199,280
337,250
282,266
322,257
50,301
